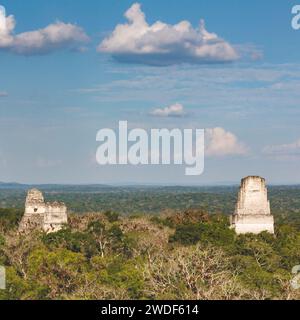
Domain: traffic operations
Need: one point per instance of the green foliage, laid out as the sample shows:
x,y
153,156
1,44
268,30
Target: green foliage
x,y
9,218
123,273
74,241
121,243
91,241
262,262
111,216
96,227
211,232
287,245
187,255
53,268
187,234
2,247
161,221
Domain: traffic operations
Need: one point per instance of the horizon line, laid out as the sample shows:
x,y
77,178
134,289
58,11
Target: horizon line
x,y
146,184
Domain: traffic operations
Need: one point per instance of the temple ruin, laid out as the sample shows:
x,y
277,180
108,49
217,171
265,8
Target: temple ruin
x,y
41,215
252,212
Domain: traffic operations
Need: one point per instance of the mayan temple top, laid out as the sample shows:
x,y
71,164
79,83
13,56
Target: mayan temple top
x,y
41,215
252,212
253,197
34,196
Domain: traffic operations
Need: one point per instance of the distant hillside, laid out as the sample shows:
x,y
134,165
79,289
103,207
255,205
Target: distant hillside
x,y
52,187
128,200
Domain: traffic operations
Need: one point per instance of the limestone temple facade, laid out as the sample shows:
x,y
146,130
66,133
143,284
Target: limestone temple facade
x,y
41,215
252,212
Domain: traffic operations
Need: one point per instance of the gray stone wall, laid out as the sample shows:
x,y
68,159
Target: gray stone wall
x,y
49,217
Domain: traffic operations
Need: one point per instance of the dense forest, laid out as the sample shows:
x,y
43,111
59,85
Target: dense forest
x,y
285,200
177,254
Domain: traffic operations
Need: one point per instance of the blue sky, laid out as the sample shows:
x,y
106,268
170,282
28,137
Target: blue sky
x,y
57,89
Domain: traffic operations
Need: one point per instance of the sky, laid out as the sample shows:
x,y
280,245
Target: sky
x,y
70,68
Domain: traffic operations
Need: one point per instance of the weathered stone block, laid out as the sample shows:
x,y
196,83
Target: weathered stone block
x,y
49,217
252,213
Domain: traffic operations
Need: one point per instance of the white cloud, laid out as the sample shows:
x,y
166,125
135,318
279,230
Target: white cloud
x,y
220,142
175,110
283,151
241,88
3,94
164,44
58,35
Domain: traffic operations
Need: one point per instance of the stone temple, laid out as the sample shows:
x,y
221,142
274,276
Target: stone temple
x,y
252,212
41,215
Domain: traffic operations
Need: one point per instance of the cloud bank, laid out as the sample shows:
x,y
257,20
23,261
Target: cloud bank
x,y
163,44
284,151
175,110
223,143
58,35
